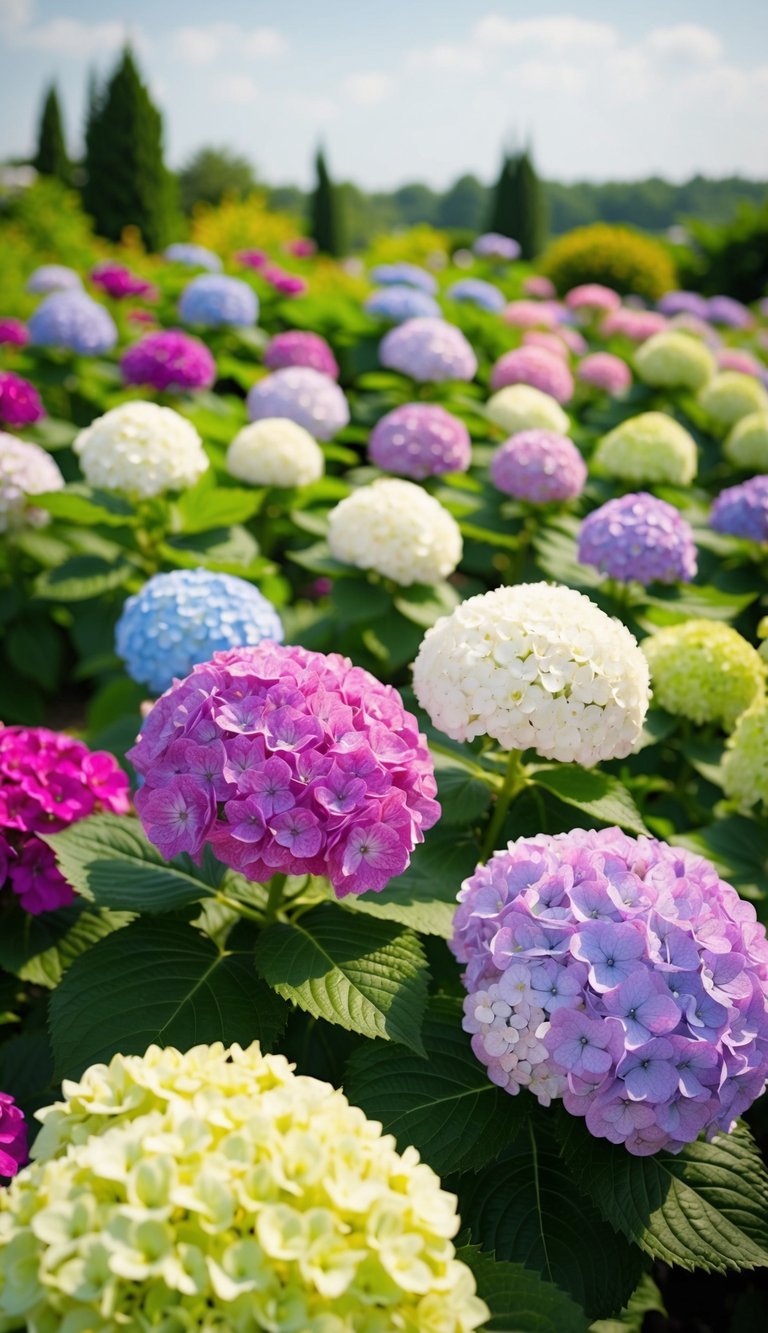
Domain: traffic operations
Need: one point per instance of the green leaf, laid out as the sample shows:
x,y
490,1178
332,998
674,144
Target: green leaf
x,y
705,1207
26,1070
738,848
217,507
157,982
81,577
596,793
393,639
108,859
520,1301
645,1298
79,503
357,600
225,550
443,1102
35,647
424,896
464,797
368,976
318,560
424,604
39,949
691,602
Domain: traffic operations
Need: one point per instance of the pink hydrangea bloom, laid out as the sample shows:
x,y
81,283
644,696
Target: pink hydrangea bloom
x,y
530,315
637,325
13,333
169,359
574,341
302,764
47,781
539,286
592,296
255,259
535,366
20,403
605,371
551,342
296,347
13,1137
118,282
734,358
302,248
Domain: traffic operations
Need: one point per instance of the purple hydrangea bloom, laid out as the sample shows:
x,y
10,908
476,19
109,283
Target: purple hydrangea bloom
x,y
399,303
404,274
429,351
296,347
742,511
169,360
621,975
539,466
492,245
73,321
20,403
420,440
13,333
286,761
302,395
726,310
193,256
13,1137
213,300
53,278
683,303
476,292
637,538
605,371
536,366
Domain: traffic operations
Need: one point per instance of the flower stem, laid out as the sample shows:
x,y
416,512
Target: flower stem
x,y
514,781
276,888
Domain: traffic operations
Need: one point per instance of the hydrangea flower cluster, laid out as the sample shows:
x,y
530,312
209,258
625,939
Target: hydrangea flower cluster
x,y
603,370
747,444
180,619
537,367
650,448
521,407
639,538
217,1189
286,761
192,256
297,347
404,275
303,395
535,666
25,469
118,282
621,975
20,403
71,320
397,529
13,1137
400,302
592,296
531,314
275,452
539,286
48,781
704,670
729,396
142,449
551,342
742,511
733,314
169,360
13,333
53,278
539,466
214,300
492,245
735,358
474,291
698,327
420,440
428,350
637,325
745,763
683,303
675,360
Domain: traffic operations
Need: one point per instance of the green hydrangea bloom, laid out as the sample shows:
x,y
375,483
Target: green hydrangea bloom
x,y
218,1191
673,360
745,765
731,395
521,407
747,445
704,670
649,448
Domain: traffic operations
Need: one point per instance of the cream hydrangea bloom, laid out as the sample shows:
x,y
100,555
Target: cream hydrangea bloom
x,y
535,666
275,452
219,1191
704,670
649,448
521,407
397,529
675,360
142,449
747,444
732,395
745,763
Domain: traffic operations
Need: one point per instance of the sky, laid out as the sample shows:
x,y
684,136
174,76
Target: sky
x,y
403,90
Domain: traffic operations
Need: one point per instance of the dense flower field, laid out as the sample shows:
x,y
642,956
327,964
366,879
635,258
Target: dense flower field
x,y
382,855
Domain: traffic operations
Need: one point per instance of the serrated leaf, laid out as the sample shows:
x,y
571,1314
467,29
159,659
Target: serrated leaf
x,y
217,507
738,848
443,1102
520,1301
597,794
424,896
39,949
631,1319
463,796
367,976
157,982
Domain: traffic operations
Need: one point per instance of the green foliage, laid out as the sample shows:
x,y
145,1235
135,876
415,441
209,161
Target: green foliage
x,y
211,174
731,258
520,205
51,154
519,1300
325,224
619,258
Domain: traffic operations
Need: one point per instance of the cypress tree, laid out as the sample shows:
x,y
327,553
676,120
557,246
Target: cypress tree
x,y
126,183
498,216
51,155
324,211
527,207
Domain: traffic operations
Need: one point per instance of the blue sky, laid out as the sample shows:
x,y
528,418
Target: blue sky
x,y
416,89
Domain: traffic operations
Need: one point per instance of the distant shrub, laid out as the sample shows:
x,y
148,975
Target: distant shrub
x,y
615,256
239,224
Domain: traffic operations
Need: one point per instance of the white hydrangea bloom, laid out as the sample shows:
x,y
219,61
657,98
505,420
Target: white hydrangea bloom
x,y
275,452
399,530
535,666
142,449
25,469
521,407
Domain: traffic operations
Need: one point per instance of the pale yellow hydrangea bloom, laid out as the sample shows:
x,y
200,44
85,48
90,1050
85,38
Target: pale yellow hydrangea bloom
x,y
704,670
732,395
745,764
521,407
649,448
747,445
275,452
673,360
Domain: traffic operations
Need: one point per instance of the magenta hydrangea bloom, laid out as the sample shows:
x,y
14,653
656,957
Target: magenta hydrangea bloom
x,y
429,351
168,360
255,259
20,403
301,248
286,761
536,366
592,296
742,511
420,440
539,466
621,975
118,282
296,347
637,325
638,538
13,333
47,781
13,1137
605,371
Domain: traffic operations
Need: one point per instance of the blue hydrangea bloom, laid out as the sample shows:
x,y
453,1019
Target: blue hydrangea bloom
x,y
398,303
408,275
74,321
53,278
194,256
477,292
742,511
183,618
213,299
639,538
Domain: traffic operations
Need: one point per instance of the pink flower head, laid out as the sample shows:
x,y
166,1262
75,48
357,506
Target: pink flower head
x,y
318,769
539,287
539,466
550,342
592,296
13,333
536,366
13,1137
169,360
118,282
530,315
20,403
605,371
301,248
637,325
255,259
734,358
296,347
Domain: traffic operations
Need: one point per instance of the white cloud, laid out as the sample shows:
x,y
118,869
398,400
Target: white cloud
x,y
685,43
14,14
71,37
205,43
559,32
367,89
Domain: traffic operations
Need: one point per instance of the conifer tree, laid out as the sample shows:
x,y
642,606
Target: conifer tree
x,y
498,219
527,213
324,211
51,155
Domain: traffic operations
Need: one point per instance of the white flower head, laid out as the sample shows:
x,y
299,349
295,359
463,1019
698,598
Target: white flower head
x,y
142,449
275,452
397,529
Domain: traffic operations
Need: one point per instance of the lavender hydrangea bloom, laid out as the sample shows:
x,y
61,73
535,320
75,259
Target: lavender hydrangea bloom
x,y
429,351
404,274
213,300
683,303
169,360
476,292
420,440
621,975
302,395
73,321
193,256
638,538
399,303
742,511
539,466
492,245
725,310
536,366
53,278
297,347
